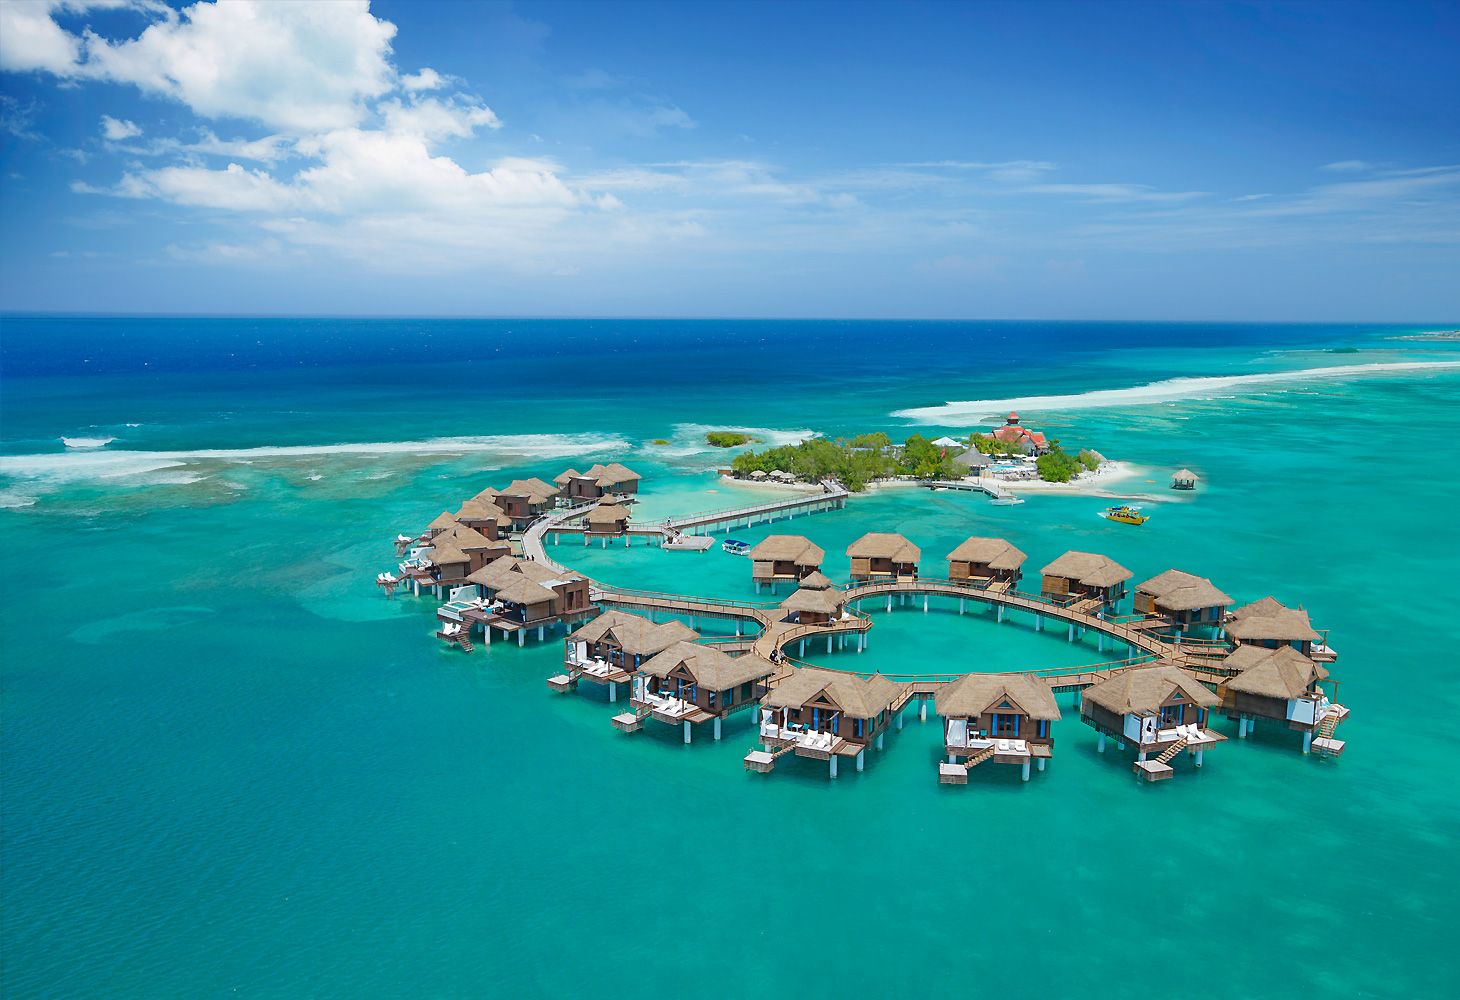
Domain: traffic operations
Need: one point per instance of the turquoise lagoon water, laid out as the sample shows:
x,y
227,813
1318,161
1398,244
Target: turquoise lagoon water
x,y
230,766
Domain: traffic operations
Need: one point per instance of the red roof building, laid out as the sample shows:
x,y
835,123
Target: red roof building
x,y
1013,432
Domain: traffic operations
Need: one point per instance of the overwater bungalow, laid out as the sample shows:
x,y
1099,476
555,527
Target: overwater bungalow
x,y
883,556
605,522
1270,623
486,517
998,718
691,683
782,558
1087,579
824,715
989,561
814,605
441,566
1184,602
598,481
1184,479
517,596
610,648
480,549
524,500
1285,686
1160,708
440,523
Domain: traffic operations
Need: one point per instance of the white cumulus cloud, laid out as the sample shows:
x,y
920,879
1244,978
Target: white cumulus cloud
x,y
117,129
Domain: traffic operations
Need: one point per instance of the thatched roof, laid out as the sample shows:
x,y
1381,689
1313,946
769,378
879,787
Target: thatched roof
x,y
797,549
995,552
758,474
1146,689
973,459
975,694
1178,591
710,667
533,490
816,581
524,591
611,474
827,602
442,520
635,634
481,510
607,513
445,554
1270,620
465,538
502,571
566,476
882,545
488,495
1185,475
1089,568
1272,673
859,697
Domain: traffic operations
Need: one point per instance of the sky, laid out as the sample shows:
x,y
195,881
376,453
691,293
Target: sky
x,y
1044,160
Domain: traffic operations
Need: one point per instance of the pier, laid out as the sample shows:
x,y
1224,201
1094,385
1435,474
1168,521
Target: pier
x,y
809,722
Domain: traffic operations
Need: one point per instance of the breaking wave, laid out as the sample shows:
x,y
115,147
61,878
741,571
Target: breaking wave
x,y
1168,390
80,442
95,464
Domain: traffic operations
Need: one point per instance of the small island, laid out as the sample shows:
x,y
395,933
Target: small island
x,y
860,461
727,439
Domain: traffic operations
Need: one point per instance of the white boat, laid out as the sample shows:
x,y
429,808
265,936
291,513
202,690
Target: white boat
x,y
1007,500
735,547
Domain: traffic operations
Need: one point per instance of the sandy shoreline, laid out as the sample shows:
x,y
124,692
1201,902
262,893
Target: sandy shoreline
x,y
1100,483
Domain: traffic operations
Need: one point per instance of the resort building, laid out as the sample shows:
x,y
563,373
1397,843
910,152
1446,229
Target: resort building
x,y
1282,685
486,517
611,648
824,715
479,548
814,605
607,520
518,596
598,482
1003,718
989,561
524,500
1183,602
1013,432
881,556
1184,479
973,462
1270,624
1160,708
690,683
779,558
1088,579
443,521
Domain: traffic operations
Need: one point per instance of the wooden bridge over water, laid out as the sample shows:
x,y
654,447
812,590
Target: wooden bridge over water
x,y
759,625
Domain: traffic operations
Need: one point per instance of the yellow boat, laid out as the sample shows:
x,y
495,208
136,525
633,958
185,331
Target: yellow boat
x,y
1125,515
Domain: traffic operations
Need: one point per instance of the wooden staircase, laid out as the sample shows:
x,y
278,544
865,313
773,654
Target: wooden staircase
x,y
1330,723
1171,751
986,753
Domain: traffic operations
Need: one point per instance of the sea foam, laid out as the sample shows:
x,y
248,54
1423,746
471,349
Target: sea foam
x,y
82,443
1166,391
81,465
689,439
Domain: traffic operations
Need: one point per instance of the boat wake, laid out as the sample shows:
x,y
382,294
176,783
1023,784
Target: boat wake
x,y
1166,391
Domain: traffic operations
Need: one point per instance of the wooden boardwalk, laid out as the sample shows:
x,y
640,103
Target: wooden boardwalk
x,y
769,635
